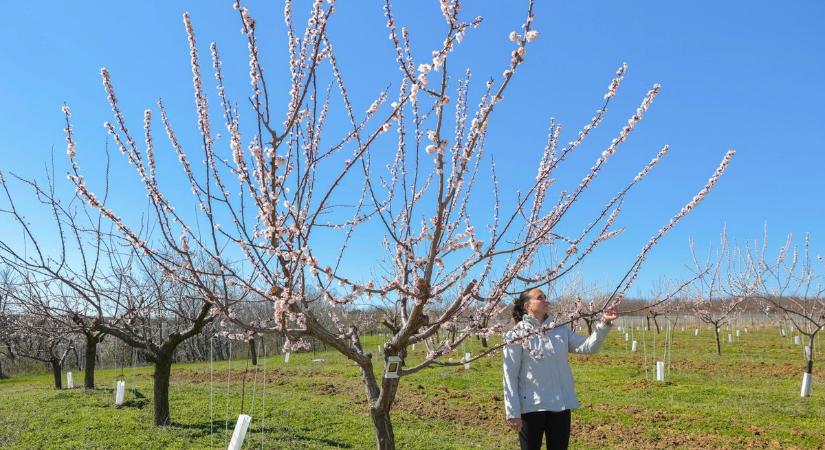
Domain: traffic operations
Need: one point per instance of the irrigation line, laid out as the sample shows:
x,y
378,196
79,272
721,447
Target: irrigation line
x,y
211,382
669,347
644,350
654,344
134,375
228,376
254,385
263,401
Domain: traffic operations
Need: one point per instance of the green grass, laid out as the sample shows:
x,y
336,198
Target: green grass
x,y
748,398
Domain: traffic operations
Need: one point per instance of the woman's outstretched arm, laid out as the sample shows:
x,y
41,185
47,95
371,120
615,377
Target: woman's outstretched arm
x,y
580,344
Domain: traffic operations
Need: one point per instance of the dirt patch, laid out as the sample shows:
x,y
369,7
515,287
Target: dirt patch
x,y
274,376
723,366
326,389
623,436
655,429
460,407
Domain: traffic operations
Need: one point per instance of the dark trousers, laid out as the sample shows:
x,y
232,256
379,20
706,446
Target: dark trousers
x,y
554,425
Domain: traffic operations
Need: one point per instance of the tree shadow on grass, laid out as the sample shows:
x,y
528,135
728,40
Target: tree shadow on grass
x,y
136,403
218,429
137,393
138,400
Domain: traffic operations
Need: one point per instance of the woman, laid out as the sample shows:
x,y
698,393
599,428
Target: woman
x,y
538,384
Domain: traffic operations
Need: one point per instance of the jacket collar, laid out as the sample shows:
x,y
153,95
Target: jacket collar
x,y
533,322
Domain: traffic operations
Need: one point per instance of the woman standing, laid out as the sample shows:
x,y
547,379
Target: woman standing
x,y
538,383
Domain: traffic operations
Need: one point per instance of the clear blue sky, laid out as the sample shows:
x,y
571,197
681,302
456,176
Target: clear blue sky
x,y
746,75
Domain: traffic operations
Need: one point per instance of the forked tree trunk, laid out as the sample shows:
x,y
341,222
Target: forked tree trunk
x,y
163,370
656,323
57,370
379,411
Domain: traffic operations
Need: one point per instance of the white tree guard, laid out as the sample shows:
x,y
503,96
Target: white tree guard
x,y
633,347
660,371
286,358
797,340
69,380
696,332
467,357
239,433
806,385
120,393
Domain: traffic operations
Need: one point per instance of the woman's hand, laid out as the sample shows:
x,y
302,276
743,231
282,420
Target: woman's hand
x,y
514,424
610,315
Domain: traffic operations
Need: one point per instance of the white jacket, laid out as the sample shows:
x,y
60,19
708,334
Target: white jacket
x,y
537,376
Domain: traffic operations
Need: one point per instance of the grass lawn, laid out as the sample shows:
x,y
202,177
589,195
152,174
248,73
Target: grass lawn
x,y
748,398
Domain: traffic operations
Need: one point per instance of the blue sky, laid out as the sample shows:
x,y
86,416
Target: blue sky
x,y
734,74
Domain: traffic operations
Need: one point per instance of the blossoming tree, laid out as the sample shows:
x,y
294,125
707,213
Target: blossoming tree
x,y
32,336
792,285
280,210
72,274
726,279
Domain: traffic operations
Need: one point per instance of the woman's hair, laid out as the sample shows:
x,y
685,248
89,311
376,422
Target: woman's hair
x,y
518,305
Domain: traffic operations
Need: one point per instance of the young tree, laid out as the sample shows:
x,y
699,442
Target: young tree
x,y
74,270
301,196
792,285
6,281
669,310
153,313
726,279
29,335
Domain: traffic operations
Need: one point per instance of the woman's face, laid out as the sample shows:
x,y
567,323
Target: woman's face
x,y
537,306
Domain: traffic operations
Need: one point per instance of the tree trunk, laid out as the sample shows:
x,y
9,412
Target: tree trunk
x,y
656,322
253,353
379,407
3,375
809,367
382,424
57,370
163,369
484,341
589,326
91,358
718,342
